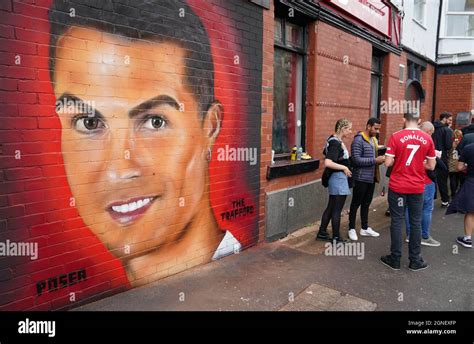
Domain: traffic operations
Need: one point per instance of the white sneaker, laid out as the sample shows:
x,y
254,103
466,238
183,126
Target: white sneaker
x,y
353,234
407,239
369,232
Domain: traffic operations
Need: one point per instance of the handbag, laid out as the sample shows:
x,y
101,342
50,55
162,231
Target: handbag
x,y
327,171
325,178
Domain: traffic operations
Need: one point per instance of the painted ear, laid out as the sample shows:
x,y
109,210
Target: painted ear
x,y
213,119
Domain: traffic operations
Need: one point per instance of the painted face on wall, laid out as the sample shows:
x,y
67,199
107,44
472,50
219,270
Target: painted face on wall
x,y
136,158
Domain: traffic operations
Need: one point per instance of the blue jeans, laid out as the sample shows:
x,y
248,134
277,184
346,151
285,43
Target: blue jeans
x,y
428,205
397,205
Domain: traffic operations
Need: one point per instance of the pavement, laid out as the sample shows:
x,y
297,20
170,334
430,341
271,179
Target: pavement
x,y
298,273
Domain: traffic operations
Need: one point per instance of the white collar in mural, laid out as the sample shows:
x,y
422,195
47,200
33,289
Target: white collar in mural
x,y
228,245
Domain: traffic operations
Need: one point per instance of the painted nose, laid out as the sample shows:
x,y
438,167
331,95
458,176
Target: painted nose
x,y
122,170
124,163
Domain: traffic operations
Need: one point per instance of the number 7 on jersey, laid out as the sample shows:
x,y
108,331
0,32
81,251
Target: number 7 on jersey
x,y
413,148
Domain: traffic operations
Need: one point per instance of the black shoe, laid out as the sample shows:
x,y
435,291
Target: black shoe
x,y
338,240
390,262
464,242
387,213
417,266
323,235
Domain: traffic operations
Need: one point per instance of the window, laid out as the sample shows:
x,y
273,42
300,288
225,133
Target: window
x,y
461,6
460,18
414,71
278,34
376,84
294,35
419,11
288,95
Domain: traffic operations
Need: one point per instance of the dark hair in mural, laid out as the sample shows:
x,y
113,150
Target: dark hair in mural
x,y
155,20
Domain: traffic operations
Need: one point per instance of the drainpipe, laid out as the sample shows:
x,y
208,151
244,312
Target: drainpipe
x,y
436,62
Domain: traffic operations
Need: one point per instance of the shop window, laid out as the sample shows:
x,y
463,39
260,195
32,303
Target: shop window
x,y
288,84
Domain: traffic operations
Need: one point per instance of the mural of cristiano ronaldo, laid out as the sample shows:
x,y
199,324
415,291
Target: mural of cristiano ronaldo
x,y
135,97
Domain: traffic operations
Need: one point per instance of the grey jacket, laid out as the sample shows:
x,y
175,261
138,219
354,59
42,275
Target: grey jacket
x,y
363,160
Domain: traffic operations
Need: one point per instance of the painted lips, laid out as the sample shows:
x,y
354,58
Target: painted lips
x,y
127,212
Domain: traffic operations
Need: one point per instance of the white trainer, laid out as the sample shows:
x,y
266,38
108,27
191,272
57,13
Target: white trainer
x,y
353,235
369,232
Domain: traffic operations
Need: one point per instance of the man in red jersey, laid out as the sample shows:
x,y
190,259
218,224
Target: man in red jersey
x,y
410,151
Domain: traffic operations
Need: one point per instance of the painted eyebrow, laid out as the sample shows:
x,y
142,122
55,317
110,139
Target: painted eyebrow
x,y
152,103
146,105
71,97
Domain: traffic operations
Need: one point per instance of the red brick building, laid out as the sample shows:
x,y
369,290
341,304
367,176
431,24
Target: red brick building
x,y
352,64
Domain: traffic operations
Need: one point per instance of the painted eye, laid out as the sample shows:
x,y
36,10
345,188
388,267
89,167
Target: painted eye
x,y
155,122
91,123
86,124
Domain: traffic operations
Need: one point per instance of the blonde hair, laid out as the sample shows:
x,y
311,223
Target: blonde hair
x,y
341,124
457,134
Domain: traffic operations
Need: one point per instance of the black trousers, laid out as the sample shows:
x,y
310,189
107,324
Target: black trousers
x,y
442,182
362,195
454,182
333,213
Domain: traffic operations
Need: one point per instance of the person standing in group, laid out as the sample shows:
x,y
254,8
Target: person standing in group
x,y
464,201
410,151
470,128
453,158
467,139
443,141
366,172
428,200
337,163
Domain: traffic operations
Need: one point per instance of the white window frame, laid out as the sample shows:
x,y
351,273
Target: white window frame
x,y
422,22
444,26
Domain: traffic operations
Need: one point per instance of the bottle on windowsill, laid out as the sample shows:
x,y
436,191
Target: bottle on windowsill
x,y
293,153
299,152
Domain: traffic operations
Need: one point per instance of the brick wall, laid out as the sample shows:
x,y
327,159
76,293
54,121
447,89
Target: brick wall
x,y
454,93
338,85
74,184
428,84
267,112
341,81
393,89
334,90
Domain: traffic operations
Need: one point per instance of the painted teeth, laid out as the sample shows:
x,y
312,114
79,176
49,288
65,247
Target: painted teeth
x,y
132,206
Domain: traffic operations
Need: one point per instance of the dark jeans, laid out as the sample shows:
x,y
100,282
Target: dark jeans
x,y
442,182
361,197
333,213
397,204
